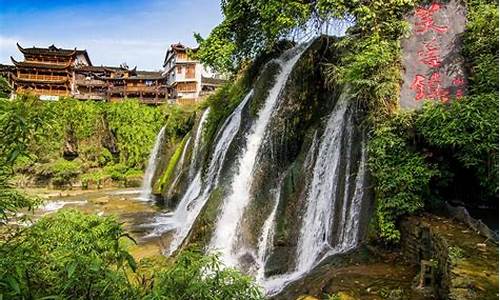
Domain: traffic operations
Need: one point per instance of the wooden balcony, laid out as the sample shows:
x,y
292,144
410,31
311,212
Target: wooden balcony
x,y
40,92
91,96
36,77
91,82
117,89
147,89
153,101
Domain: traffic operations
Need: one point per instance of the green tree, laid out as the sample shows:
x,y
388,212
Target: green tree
x,y
5,88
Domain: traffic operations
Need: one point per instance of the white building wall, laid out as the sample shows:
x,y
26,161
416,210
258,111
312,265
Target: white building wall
x,y
170,71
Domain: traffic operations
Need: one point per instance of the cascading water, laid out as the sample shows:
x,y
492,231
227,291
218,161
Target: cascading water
x,y
226,231
197,141
147,182
316,240
192,202
266,238
351,228
317,221
322,207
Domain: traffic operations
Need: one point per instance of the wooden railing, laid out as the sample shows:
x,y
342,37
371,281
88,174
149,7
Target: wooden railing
x,y
91,96
44,92
149,89
42,77
185,101
116,89
90,82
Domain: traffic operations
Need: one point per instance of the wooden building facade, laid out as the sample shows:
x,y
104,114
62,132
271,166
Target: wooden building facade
x,y
188,80
53,72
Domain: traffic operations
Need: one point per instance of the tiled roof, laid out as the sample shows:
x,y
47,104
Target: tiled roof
x,y
100,69
25,64
148,75
53,50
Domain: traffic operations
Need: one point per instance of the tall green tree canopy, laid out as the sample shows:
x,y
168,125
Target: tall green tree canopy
x,y
251,27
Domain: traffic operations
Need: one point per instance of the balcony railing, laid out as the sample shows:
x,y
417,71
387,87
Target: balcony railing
x,y
117,89
92,82
40,92
91,96
157,101
42,77
147,89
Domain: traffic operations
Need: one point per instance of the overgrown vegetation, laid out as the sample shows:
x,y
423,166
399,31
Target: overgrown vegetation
x,y
85,140
416,159
167,176
71,255
445,151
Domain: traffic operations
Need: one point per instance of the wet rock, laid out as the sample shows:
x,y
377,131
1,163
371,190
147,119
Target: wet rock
x,y
108,137
306,297
70,150
100,201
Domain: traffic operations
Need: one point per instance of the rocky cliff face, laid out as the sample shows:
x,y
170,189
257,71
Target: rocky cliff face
x,y
289,157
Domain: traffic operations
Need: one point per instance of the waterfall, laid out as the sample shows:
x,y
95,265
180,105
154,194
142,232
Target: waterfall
x,y
316,240
351,229
197,141
322,197
267,237
226,231
325,204
193,200
147,182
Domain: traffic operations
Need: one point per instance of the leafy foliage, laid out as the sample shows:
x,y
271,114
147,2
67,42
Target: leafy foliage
x,y
71,255
5,88
136,127
67,255
470,128
41,130
481,45
401,174
250,28
62,171
195,276
167,176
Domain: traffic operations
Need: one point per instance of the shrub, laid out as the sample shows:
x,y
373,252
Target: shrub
x,y
401,174
62,172
197,277
116,172
67,255
469,128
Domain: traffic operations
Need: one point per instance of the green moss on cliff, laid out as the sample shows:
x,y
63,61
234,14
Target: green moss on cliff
x,y
167,176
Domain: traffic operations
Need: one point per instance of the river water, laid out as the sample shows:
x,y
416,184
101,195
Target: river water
x,y
140,218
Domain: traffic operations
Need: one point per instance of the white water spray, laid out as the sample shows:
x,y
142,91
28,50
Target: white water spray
x,y
227,227
147,182
193,201
197,142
